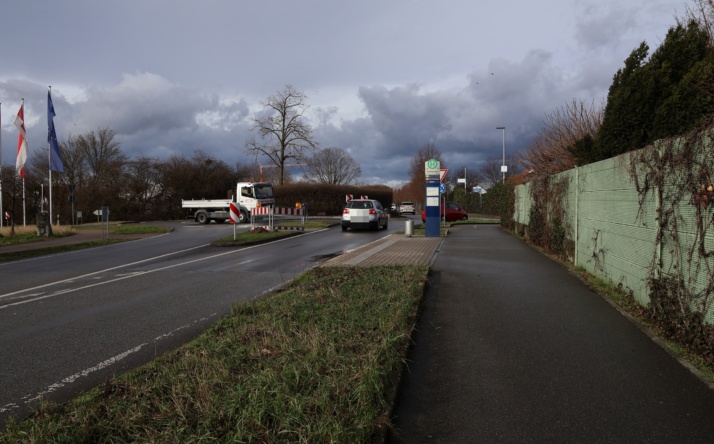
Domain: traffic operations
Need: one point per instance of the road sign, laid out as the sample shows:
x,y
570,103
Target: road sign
x,y
442,173
235,215
442,188
349,197
431,167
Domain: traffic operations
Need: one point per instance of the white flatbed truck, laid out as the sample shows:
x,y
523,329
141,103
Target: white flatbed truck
x,y
247,195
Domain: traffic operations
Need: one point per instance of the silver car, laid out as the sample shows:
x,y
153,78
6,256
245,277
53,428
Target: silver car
x,y
364,214
407,207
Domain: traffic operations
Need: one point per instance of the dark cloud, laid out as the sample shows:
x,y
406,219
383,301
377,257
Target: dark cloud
x,y
405,118
382,78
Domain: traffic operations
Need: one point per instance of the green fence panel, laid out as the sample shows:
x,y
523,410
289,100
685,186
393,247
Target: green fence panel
x,y
613,227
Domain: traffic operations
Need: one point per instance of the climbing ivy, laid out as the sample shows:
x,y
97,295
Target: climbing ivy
x,y
678,173
547,225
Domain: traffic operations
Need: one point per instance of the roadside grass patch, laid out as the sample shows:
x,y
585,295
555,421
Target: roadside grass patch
x,y
477,221
317,362
19,255
138,229
250,238
29,234
126,228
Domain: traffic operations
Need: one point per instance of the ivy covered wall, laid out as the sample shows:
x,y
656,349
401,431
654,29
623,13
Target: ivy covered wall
x,y
643,220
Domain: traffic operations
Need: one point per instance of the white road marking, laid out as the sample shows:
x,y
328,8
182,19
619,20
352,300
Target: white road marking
x,y
121,276
86,372
98,272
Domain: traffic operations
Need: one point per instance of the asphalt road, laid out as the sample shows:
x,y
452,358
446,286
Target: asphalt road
x,y
70,321
512,348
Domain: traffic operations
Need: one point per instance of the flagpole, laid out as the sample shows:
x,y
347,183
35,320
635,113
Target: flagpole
x,y
49,160
23,203
2,211
23,179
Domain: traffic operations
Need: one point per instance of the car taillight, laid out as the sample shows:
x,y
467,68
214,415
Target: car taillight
x,y
372,211
346,211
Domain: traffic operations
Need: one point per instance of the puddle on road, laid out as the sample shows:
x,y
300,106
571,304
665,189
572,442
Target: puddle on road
x,y
326,257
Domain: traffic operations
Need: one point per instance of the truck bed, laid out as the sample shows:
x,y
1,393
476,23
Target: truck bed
x,y
206,203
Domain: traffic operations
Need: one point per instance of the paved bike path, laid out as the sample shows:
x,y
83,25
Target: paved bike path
x,y
512,347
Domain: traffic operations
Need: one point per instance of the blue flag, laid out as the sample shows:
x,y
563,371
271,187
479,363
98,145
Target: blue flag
x,y
55,155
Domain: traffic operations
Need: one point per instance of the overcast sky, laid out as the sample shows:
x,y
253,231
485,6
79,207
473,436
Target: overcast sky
x,y
382,77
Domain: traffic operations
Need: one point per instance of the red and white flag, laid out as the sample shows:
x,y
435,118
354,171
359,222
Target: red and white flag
x,y
21,142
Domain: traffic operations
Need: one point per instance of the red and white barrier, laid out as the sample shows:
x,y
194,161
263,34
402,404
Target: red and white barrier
x,y
282,213
289,211
349,197
261,210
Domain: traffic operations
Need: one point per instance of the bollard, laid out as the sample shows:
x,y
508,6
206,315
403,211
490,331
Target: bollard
x,y
409,228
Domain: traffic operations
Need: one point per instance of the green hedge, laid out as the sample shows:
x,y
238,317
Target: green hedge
x,y
328,200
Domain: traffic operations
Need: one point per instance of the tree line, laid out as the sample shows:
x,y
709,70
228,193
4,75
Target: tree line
x,y
98,173
652,97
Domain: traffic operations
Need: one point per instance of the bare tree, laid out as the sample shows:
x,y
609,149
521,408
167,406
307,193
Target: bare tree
x,y
490,170
473,177
200,177
333,166
416,166
550,152
490,173
284,135
102,151
703,14
414,190
73,160
142,188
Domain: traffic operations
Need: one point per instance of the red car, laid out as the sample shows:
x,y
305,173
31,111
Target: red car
x,y
453,212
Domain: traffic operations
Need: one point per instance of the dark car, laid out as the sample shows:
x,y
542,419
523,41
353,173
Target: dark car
x,y
453,212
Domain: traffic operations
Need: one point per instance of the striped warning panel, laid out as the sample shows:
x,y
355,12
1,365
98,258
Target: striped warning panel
x,y
261,210
289,211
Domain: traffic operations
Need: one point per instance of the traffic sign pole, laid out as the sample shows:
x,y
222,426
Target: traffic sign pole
x,y
235,217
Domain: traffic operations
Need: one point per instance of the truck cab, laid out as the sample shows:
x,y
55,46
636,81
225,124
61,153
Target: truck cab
x,y
251,195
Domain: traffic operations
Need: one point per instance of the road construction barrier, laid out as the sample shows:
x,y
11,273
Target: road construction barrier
x,y
278,218
235,213
349,197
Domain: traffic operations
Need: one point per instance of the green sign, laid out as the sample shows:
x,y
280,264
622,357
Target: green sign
x,y
432,166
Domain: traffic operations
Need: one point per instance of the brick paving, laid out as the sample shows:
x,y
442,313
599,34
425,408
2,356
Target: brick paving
x,y
394,249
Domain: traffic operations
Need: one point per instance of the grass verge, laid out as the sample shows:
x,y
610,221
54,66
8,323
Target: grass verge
x,y
127,228
19,255
251,238
27,234
317,362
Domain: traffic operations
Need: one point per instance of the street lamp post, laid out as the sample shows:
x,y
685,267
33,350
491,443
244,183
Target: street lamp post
x,y
503,165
